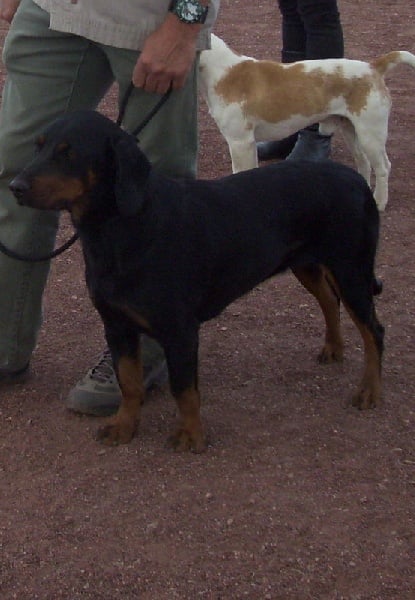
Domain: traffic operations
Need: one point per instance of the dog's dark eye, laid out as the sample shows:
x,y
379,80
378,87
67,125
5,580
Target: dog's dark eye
x,y
39,143
64,152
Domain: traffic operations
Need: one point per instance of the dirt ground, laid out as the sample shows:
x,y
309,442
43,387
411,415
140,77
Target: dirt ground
x,y
300,496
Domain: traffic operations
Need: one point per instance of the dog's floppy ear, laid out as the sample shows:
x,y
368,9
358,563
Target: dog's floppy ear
x,y
131,172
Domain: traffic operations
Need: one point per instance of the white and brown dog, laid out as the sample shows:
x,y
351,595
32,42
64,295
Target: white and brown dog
x,y
257,100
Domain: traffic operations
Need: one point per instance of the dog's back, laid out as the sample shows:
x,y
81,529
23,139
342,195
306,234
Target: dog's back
x,y
250,226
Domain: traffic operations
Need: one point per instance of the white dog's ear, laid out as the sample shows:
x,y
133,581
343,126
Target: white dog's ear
x,y
132,169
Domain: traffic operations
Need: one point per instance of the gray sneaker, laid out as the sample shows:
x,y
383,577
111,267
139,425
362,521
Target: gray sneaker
x,y
98,392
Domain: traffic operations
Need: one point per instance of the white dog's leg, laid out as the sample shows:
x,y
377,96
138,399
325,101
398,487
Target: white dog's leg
x,y
243,154
381,167
372,141
382,171
361,160
352,142
374,148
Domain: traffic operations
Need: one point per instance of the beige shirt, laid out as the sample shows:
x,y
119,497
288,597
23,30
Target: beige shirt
x,y
119,23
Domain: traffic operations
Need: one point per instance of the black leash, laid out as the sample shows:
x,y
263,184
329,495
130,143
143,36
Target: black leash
x,y
34,259
150,115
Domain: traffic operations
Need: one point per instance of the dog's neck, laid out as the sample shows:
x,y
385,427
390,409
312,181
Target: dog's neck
x,y
215,61
97,208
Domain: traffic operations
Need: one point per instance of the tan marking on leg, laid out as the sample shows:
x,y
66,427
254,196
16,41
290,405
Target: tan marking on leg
x,y
135,316
189,435
369,391
317,283
120,428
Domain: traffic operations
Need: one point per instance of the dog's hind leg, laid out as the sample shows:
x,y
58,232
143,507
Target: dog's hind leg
x,y
381,167
352,142
373,145
372,332
356,291
315,279
182,363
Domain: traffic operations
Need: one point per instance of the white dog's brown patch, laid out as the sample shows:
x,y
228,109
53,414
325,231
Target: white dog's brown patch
x,y
273,92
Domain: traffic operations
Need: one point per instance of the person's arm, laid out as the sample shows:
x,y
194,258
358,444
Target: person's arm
x,y
168,54
7,9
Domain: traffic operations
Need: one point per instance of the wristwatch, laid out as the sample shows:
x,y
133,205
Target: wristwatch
x,y
189,11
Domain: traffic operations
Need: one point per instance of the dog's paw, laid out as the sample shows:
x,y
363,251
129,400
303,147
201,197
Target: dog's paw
x,y
115,433
183,441
365,398
330,354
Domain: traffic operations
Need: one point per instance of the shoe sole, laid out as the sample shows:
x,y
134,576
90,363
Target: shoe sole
x,y
100,404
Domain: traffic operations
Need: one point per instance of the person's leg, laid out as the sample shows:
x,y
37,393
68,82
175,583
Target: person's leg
x,y
293,49
293,33
323,39
323,30
311,29
48,73
170,140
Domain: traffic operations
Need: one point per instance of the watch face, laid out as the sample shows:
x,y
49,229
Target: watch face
x,y
190,11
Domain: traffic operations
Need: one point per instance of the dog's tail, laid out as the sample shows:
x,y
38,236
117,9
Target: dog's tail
x,y
385,63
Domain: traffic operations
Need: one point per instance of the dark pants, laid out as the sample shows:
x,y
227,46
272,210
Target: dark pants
x,y
311,29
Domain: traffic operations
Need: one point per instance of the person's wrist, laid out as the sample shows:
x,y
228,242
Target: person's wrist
x,y
190,12
185,30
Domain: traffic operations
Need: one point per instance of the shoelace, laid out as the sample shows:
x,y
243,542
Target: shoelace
x,y
103,371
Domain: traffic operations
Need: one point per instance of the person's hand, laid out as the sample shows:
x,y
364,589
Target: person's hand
x,y
167,56
7,9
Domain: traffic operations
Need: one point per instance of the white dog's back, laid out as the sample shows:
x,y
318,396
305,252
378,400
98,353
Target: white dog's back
x,y
256,100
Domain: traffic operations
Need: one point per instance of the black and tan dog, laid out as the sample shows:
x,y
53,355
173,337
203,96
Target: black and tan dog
x,y
162,256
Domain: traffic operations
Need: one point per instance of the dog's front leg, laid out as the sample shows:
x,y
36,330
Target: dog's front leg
x,y
189,435
243,154
182,364
121,427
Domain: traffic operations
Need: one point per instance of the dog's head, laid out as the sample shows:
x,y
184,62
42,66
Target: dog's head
x,y
86,164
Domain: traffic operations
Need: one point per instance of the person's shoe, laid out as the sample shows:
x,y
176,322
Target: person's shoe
x,y
276,148
98,392
12,377
311,145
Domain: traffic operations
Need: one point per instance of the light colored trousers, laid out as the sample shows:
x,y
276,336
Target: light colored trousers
x,y
48,74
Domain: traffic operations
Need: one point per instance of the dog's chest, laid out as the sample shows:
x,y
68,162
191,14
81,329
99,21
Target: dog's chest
x,y
110,269
104,281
